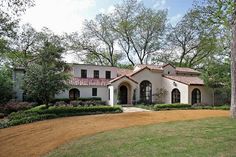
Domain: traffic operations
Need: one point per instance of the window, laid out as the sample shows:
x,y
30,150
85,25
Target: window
x,y
146,92
109,94
108,75
94,91
83,73
196,96
74,94
96,74
175,94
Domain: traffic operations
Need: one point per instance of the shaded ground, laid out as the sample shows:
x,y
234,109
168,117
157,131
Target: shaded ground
x,y
39,138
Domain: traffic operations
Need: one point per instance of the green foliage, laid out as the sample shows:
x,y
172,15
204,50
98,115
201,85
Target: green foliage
x,y
158,107
161,107
41,113
5,85
46,77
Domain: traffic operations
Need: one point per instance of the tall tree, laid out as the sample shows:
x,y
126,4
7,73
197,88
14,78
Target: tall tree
x,y
222,14
46,76
233,65
101,39
139,30
191,40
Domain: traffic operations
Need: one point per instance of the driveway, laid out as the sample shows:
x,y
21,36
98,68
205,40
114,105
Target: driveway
x,y
134,109
37,139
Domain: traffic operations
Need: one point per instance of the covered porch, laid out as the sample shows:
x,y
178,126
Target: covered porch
x,y
122,90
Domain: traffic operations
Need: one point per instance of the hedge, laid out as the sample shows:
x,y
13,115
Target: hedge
x,y
40,113
171,106
67,100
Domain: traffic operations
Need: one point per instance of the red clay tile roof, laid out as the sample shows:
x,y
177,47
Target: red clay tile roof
x,y
124,71
135,72
120,77
186,70
77,81
189,80
152,67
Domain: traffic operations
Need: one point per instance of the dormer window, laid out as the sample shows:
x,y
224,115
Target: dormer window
x,y
168,72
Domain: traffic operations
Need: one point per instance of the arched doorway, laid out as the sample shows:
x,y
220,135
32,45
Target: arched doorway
x,y
175,96
196,96
74,94
146,91
123,94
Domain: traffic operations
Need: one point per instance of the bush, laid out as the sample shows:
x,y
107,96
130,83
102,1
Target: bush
x,y
1,115
14,106
171,106
41,113
66,100
90,99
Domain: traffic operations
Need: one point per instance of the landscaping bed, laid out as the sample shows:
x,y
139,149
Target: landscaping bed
x,y
162,107
41,113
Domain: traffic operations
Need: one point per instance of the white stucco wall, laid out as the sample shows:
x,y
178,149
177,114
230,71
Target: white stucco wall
x,y
154,77
90,69
206,94
86,91
169,70
169,85
115,88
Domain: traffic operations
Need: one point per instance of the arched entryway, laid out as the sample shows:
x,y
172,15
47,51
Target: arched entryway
x,y
175,96
74,94
123,94
146,91
196,96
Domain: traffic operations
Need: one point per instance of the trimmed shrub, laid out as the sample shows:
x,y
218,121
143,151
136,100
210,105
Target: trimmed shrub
x,y
171,106
60,103
90,99
66,100
41,113
14,106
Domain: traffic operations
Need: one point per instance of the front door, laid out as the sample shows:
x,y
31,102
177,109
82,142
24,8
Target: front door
x,y
123,94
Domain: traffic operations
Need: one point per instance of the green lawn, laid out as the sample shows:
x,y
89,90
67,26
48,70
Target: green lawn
x,y
214,137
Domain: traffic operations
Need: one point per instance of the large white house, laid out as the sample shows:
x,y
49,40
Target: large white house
x,y
123,86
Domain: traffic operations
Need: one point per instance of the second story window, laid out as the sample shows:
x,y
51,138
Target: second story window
x,y
96,74
83,73
108,75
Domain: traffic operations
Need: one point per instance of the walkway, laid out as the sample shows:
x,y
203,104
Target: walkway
x,y
134,109
37,139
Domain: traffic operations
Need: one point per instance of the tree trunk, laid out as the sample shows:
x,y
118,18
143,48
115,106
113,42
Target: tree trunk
x,y
233,66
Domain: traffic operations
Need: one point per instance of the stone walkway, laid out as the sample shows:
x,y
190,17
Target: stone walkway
x,y
134,109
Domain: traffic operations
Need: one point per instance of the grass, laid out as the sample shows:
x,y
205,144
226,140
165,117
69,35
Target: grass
x,y
199,138
163,107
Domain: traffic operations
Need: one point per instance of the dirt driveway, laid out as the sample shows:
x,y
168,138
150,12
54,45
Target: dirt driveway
x,y
37,139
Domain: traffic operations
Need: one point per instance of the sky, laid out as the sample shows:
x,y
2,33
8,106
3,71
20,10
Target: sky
x,y
68,15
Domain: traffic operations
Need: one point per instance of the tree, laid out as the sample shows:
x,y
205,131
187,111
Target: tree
x,y
10,11
191,40
139,30
5,85
24,46
101,40
46,76
222,14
